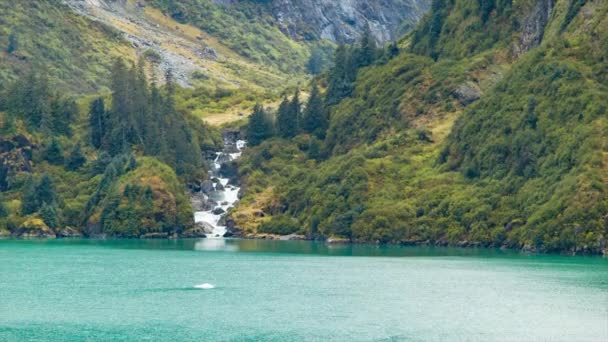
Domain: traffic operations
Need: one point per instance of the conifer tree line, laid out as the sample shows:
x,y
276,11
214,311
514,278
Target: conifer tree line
x,y
144,117
31,98
290,119
293,118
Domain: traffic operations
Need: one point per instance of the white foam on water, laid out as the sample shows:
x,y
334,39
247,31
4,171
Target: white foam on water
x,y
205,286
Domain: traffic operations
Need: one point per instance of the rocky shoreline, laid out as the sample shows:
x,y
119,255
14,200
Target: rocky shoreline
x,y
70,233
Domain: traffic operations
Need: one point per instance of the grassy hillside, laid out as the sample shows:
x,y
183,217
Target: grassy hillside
x,y
75,51
463,140
247,29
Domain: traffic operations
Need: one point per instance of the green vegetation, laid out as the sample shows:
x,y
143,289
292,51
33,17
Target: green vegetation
x,y
118,172
74,52
247,29
454,142
259,127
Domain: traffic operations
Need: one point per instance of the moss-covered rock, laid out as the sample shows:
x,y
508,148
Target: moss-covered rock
x,y
34,227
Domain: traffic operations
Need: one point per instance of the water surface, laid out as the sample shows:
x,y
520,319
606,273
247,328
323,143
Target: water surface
x,y
124,290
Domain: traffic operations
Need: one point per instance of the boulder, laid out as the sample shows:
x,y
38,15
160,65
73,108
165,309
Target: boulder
x,y
34,227
467,93
156,235
231,228
200,230
222,221
69,232
204,227
22,141
224,158
337,240
195,187
219,187
218,211
207,186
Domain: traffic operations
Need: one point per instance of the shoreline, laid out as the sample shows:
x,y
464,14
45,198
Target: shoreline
x,y
330,241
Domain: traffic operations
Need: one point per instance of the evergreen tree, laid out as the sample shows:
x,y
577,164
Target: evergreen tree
x,y
54,153
97,124
29,203
315,62
101,163
48,213
341,76
436,25
13,42
4,181
63,113
295,107
315,120
45,191
3,209
259,127
282,117
76,159
119,119
486,7
314,149
287,121
366,53
392,51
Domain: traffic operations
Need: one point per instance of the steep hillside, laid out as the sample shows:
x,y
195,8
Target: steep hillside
x,y
74,51
343,21
490,131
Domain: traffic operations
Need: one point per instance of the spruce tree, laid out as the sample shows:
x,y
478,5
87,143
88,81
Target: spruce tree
x,y
4,181
13,42
3,209
259,127
29,202
281,117
341,76
366,52
315,62
120,115
48,213
97,122
295,108
54,153
45,191
315,119
287,122
76,159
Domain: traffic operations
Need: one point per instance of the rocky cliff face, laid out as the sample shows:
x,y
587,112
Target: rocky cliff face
x,y
343,21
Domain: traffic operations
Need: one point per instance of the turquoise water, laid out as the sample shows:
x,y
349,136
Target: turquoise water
x,y
81,290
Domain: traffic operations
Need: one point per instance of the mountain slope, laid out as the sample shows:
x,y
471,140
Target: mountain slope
x,y
490,131
74,51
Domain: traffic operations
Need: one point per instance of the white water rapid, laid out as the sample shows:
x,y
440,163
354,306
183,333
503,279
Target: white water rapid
x,y
220,193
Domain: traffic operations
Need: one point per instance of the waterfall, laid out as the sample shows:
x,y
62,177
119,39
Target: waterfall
x,y
218,192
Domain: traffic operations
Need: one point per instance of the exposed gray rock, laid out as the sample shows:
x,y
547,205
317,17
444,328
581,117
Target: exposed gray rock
x,y
69,232
207,186
467,93
204,227
155,236
343,21
533,27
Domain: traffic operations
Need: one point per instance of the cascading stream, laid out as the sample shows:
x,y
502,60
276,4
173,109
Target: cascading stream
x,y
220,193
